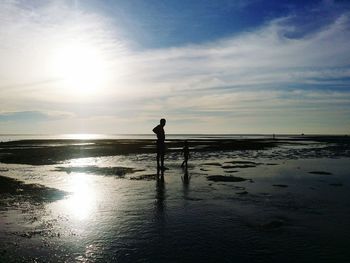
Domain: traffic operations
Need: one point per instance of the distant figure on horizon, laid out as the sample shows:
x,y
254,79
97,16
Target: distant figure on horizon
x,y
159,130
186,153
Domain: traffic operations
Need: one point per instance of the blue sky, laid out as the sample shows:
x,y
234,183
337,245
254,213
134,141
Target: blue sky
x,y
154,23
207,66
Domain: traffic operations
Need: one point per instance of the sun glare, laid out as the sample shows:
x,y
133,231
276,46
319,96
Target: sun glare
x,y
81,68
83,198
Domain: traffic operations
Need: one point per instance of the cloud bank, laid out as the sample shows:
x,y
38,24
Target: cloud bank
x,y
271,79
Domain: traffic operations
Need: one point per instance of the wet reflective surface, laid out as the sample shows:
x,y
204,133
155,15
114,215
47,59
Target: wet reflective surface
x,y
284,210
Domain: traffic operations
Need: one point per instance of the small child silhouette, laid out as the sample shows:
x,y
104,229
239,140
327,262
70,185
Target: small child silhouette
x,y
186,153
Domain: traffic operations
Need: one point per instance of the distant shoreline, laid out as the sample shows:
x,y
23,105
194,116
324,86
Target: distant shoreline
x,y
19,137
174,134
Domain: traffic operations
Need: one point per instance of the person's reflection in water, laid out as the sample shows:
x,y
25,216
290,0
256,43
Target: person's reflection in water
x,y
160,217
186,178
185,181
160,192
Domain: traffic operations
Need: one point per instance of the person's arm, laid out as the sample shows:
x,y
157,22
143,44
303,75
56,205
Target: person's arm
x,y
155,130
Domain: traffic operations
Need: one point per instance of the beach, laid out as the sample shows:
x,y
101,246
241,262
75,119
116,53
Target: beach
x,y
249,199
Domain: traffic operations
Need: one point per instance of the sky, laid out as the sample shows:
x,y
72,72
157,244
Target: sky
x,y
219,66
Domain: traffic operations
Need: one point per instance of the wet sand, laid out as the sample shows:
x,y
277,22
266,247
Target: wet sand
x,y
103,201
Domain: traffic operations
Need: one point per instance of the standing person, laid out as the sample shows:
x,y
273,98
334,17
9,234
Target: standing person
x,y
159,130
186,152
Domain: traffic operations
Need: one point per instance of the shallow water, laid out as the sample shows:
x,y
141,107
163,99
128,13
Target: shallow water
x,y
283,213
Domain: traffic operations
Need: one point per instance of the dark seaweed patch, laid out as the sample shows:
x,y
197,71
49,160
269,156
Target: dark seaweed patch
x,y
242,193
222,178
320,172
280,185
213,164
238,166
243,162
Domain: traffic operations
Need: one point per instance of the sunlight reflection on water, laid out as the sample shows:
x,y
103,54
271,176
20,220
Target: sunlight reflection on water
x,y
83,198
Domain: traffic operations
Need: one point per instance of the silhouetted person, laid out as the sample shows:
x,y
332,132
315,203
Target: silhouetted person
x,y
159,130
186,153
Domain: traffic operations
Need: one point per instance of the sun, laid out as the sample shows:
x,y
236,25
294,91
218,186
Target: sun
x,y
80,68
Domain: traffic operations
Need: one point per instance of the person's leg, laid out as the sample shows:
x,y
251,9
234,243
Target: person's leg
x,y
158,172
158,157
162,159
162,153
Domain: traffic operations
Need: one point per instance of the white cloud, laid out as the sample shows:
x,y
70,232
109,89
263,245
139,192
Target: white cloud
x,y
240,78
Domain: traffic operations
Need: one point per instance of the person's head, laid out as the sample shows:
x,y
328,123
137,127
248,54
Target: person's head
x,y
162,122
185,142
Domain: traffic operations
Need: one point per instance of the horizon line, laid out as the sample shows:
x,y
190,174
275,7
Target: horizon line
x,y
135,134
